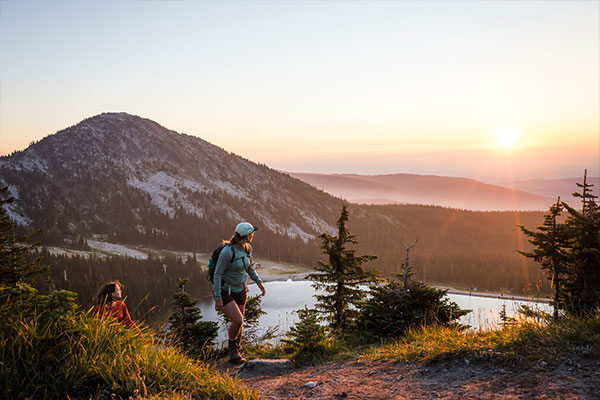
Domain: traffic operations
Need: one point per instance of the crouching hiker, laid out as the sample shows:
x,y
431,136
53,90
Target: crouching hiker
x,y
230,287
110,305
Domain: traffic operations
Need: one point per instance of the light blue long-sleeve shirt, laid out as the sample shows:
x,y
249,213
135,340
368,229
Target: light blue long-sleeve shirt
x,y
232,275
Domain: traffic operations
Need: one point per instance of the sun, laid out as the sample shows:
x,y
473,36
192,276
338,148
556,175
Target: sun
x,y
506,138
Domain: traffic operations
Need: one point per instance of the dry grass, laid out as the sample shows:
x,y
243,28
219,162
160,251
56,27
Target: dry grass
x,y
84,357
521,343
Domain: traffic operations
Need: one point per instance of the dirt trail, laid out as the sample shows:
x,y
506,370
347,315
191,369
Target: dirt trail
x,y
572,379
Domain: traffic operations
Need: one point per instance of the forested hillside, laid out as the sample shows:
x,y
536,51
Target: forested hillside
x,y
469,249
149,284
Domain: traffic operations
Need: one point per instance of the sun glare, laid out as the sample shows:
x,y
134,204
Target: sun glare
x,y
506,138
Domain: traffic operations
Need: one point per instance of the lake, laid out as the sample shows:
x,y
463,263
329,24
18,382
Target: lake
x,y
283,298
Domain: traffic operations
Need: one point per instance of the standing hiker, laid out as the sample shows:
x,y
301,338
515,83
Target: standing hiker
x,y
230,287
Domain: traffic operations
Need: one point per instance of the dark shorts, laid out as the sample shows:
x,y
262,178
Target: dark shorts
x,y
239,298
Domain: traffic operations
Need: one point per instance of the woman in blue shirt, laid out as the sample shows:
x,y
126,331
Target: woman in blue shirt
x,y
230,287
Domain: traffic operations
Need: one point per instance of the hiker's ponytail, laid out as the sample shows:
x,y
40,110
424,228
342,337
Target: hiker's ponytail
x,y
236,239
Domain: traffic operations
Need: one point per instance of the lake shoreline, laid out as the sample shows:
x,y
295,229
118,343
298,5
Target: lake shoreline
x,y
500,296
270,275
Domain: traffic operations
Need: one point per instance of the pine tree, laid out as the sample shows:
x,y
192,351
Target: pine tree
x,y
15,264
186,330
550,252
341,276
583,228
571,252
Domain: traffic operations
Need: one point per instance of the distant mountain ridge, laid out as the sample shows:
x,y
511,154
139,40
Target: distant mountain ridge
x,y
462,193
556,187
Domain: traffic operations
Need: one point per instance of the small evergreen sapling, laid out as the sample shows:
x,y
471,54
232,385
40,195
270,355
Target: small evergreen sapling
x,y
505,319
186,330
307,339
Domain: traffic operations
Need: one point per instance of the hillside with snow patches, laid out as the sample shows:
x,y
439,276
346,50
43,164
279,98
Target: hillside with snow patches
x,y
119,161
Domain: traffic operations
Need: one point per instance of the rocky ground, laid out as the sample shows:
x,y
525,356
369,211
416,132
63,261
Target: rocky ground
x,y
573,378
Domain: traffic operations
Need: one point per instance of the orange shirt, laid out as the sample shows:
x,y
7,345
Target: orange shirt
x,y
118,312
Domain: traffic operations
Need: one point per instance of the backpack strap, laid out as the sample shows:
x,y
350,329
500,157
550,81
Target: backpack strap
x,y
232,253
232,257
249,254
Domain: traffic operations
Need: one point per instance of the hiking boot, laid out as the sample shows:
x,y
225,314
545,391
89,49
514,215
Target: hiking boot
x,y
239,347
234,352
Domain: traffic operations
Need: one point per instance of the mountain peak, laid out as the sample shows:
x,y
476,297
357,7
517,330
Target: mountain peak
x,y
115,164
116,117
119,123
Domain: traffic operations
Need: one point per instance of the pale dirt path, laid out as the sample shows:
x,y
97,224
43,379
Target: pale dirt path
x,y
359,380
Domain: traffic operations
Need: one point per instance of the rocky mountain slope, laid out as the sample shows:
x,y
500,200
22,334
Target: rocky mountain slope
x,y
131,179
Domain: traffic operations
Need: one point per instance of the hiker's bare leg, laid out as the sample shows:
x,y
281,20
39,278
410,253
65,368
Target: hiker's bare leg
x,y
242,311
236,317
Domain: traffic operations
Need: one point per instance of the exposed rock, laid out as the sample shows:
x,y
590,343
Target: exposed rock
x,y
265,367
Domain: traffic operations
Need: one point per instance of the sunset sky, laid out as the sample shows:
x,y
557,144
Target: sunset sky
x,y
485,89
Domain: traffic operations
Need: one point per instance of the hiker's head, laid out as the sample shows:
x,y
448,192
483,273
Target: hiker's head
x,y
109,292
244,233
244,229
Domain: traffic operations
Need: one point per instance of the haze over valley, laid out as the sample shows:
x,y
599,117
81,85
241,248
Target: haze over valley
x,y
444,191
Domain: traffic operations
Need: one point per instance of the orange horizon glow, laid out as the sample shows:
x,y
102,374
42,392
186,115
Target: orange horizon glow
x,y
356,92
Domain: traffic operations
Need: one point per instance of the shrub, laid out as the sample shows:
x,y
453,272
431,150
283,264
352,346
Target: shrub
x,y
392,308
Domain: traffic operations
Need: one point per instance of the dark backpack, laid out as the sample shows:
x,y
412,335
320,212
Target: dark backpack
x,y
212,262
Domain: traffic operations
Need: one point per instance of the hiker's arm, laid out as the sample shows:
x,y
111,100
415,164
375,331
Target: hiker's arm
x,y
256,278
262,288
252,272
222,262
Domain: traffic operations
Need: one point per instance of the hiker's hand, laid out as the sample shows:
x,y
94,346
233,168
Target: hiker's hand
x,y
219,305
262,289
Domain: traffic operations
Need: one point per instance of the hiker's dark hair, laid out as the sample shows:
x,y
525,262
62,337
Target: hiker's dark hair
x,y
105,294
